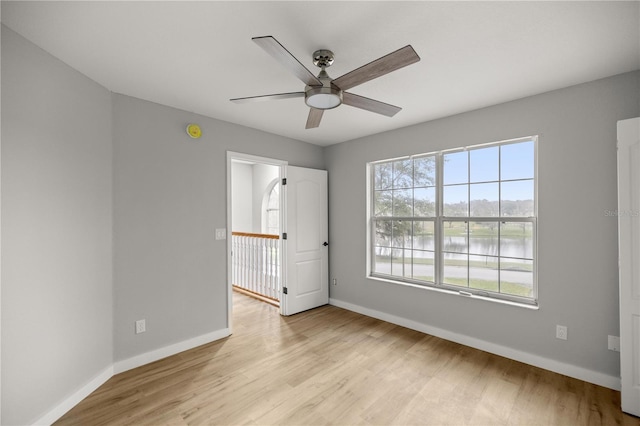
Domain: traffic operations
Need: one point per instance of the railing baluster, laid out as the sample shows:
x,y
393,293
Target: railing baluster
x,y
262,287
255,263
268,267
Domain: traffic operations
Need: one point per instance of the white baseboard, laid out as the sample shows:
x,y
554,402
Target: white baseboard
x,y
74,399
155,355
570,370
128,364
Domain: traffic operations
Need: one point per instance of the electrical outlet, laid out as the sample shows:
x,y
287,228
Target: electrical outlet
x,y
141,326
561,332
335,281
614,343
221,233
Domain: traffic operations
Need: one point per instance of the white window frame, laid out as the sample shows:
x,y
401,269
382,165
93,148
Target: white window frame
x,y
266,197
439,221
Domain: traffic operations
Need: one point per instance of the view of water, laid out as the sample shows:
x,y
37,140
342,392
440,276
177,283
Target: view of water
x,y
518,247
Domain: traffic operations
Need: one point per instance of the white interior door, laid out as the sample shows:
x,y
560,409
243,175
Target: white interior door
x,y
629,258
305,220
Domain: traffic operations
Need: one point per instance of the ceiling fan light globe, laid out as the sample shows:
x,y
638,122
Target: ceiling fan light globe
x,y
323,97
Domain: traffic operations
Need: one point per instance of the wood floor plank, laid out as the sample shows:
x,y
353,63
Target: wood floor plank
x,y
335,367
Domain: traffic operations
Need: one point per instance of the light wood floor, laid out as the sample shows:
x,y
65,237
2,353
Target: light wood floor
x,y
332,366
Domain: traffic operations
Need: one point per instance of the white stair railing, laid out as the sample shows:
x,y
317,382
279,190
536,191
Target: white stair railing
x,y
256,263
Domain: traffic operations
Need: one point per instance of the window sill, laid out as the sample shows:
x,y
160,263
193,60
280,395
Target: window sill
x,y
456,293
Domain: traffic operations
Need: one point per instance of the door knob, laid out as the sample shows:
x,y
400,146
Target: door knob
x,y
325,244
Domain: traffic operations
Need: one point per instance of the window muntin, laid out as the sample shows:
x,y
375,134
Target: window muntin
x,y
461,219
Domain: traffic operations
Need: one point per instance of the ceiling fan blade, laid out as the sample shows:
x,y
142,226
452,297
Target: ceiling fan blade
x,y
268,97
369,104
381,66
282,55
315,115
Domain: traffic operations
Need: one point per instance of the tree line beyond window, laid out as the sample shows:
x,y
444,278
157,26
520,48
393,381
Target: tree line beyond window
x,y
462,220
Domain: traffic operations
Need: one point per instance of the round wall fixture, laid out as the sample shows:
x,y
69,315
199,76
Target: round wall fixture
x,y
194,131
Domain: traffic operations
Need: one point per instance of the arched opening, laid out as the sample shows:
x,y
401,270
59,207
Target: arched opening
x,y
271,208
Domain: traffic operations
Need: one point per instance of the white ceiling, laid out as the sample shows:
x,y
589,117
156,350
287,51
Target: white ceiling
x,y
197,55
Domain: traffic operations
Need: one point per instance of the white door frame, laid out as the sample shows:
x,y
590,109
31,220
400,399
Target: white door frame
x,y
238,156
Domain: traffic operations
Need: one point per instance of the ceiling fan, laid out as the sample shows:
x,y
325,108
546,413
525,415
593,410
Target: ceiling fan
x,y
323,92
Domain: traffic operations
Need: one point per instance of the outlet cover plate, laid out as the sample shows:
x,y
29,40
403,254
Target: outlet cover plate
x,y
141,326
614,343
561,332
221,233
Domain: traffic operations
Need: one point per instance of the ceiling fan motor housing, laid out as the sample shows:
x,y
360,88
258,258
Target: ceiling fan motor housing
x,y
323,58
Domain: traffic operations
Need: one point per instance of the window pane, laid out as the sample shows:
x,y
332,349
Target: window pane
x,y
483,238
382,203
273,219
401,233
382,175
401,263
403,174
517,161
516,198
423,265
456,168
455,269
484,199
516,277
424,202
423,236
455,237
516,239
382,261
455,199
274,197
383,233
484,164
424,171
402,203
483,273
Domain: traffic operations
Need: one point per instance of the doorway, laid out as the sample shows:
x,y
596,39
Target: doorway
x,y
255,223
277,222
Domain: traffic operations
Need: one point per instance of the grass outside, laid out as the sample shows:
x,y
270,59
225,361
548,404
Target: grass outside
x,y
511,266
514,289
506,287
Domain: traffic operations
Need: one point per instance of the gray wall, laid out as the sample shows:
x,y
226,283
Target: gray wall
x,y
170,195
577,243
56,230
242,197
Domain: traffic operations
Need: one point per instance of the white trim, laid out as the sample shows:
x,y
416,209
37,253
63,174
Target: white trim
x,y
559,367
249,158
66,405
155,355
452,292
